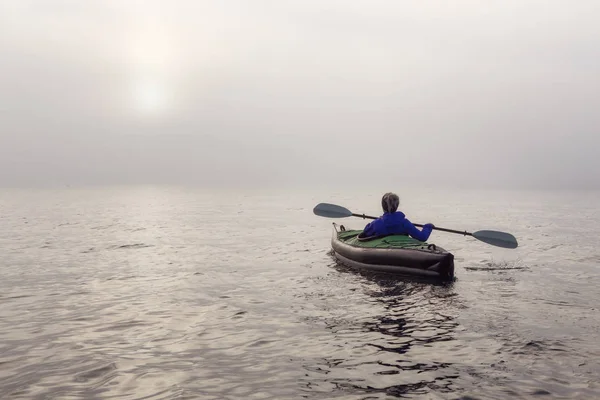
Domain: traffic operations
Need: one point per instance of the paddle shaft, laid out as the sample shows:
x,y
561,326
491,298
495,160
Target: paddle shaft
x,y
419,225
495,238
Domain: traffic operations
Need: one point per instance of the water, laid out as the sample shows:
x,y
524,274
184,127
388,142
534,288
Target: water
x,y
162,293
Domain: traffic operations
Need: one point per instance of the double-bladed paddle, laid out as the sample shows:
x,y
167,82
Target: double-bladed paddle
x,y
495,238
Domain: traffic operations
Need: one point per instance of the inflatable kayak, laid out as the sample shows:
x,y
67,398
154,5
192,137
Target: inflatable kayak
x,y
397,254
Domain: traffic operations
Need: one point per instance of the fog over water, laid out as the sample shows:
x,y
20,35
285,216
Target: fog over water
x,y
301,93
159,165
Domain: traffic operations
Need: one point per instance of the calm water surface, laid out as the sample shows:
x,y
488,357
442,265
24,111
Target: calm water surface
x,y
173,293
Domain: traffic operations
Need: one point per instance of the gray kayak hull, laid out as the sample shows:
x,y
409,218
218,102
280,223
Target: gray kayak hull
x,y
429,262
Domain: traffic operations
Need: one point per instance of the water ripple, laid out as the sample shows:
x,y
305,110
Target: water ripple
x,y
187,298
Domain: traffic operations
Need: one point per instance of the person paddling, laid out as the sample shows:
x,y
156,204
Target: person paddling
x,y
394,222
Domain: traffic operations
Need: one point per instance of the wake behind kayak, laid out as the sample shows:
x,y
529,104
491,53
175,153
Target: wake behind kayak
x,y
396,254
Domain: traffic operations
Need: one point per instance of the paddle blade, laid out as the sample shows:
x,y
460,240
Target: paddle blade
x,y
331,211
495,238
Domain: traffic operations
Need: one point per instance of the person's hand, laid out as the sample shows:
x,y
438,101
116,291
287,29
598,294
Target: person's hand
x,y
429,225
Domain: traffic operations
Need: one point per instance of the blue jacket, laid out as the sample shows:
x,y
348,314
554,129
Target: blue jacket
x,y
396,224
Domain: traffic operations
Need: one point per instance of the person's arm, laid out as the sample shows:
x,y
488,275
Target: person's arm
x,y
368,229
414,232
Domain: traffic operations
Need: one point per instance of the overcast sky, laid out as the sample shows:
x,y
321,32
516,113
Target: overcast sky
x,y
467,92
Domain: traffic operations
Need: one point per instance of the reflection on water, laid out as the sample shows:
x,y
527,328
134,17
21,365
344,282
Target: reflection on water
x,y
400,342
173,294
417,316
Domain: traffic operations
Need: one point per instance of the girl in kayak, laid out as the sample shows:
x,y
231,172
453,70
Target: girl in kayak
x,y
394,222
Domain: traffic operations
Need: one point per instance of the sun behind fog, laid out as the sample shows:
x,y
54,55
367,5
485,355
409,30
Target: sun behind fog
x,y
153,64
149,96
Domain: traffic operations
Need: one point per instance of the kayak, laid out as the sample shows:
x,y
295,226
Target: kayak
x,y
396,254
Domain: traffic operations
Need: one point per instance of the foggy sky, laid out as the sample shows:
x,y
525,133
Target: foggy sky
x,y
463,93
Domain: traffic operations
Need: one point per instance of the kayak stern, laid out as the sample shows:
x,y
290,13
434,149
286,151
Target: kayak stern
x,y
395,254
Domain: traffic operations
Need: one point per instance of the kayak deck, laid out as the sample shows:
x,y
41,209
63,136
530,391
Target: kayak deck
x,y
398,254
393,241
